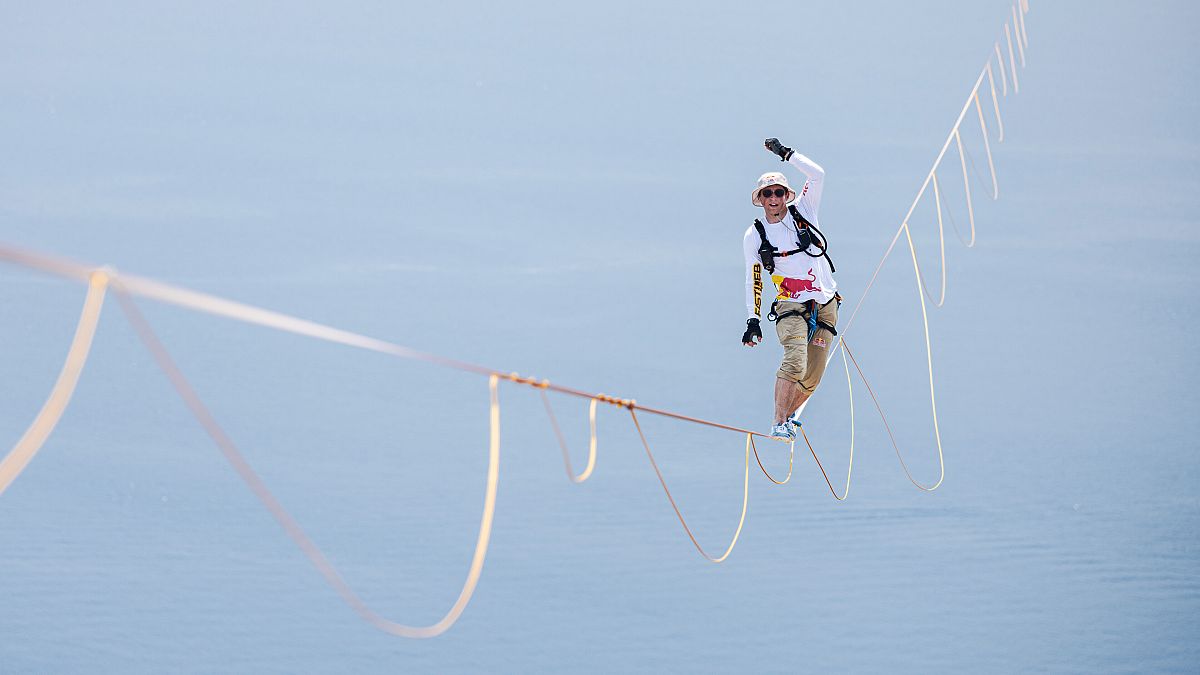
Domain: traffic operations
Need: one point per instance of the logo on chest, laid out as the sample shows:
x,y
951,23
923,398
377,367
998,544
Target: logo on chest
x,y
794,288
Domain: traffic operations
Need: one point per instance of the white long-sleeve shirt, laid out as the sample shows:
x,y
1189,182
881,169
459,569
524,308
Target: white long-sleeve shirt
x,y
799,277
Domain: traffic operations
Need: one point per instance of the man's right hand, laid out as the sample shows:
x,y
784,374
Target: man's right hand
x,y
752,332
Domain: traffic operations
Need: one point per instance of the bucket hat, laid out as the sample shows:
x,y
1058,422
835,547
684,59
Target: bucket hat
x,y
769,179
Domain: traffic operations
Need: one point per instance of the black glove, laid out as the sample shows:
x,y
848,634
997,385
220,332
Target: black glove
x,y
784,152
752,331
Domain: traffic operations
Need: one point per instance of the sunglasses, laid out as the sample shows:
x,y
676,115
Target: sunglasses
x,y
777,192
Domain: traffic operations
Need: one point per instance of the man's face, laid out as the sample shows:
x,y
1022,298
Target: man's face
x,y
773,198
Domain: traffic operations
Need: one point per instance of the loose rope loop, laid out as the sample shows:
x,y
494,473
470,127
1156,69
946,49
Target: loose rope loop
x,y
31,442
238,461
666,490
562,441
791,458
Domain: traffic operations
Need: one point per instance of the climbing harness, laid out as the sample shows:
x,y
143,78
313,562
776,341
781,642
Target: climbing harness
x,y
811,314
807,236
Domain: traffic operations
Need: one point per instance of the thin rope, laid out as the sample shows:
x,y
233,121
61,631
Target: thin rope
x,y
825,475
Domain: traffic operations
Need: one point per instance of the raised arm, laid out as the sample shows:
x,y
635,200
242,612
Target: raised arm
x,y
809,195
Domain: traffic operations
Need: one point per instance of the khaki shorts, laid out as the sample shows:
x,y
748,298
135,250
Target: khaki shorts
x,y
804,362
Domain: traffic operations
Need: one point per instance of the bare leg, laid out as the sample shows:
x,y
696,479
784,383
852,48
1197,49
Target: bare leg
x,y
787,393
800,397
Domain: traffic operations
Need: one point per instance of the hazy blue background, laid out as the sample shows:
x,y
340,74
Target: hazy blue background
x,y
561,190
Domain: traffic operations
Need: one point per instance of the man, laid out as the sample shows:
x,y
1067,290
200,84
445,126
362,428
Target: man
x,y
787,245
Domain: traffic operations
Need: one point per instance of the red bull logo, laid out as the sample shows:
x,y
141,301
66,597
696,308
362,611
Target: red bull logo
x,y
793,288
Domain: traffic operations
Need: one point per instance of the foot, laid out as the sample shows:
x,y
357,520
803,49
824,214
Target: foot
x,y
795,424
783,430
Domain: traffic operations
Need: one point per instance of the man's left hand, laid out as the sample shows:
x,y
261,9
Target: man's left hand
x,y
752,332
784,152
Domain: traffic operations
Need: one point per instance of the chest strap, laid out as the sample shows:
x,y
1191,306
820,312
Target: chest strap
x,y
807,235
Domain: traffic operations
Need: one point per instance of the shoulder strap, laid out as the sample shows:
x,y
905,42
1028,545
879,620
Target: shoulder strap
x,y
762,231
766,252
801,221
